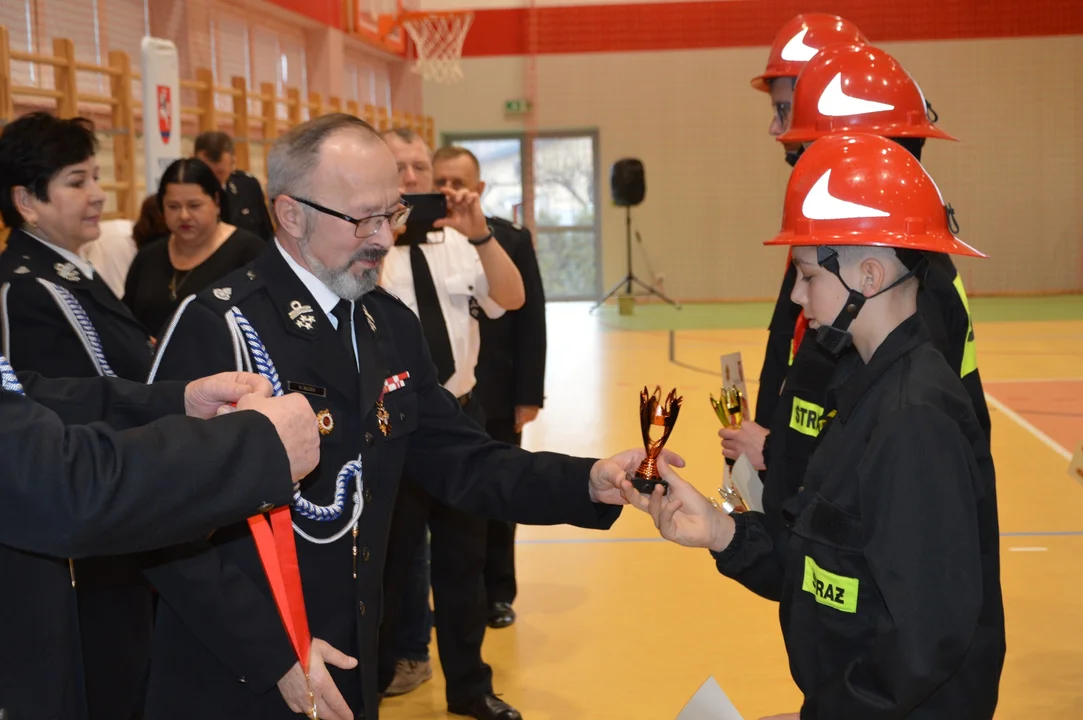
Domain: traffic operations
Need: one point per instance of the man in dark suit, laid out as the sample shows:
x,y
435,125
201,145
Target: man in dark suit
x,y
242,203
310,307
60,319
510,370
85,474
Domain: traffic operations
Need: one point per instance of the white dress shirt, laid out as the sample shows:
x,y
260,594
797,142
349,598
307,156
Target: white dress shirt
x,y
84,267
324,296
458,275
112,253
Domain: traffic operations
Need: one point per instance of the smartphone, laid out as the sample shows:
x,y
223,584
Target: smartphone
x,y
425,209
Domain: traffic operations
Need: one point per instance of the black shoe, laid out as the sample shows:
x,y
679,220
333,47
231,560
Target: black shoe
x,y
486,707
501,615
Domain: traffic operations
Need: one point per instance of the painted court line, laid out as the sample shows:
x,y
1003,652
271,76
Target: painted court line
x,y
1026,425
1028,549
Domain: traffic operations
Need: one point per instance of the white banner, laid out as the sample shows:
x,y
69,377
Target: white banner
x,y
161,108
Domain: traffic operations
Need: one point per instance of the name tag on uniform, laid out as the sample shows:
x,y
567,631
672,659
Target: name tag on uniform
x,y
306,389
805,417
834,591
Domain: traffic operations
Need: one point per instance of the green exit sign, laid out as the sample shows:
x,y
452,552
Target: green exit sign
x,y
517,107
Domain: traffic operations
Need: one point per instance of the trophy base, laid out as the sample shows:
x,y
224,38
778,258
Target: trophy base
x,y
647,485
647,478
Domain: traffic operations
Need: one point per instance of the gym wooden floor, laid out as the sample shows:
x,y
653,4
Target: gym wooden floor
x,y
622,625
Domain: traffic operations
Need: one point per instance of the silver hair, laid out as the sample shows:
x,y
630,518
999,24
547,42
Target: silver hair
x,y
294,157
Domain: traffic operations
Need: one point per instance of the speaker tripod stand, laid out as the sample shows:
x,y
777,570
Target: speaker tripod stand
x,y
630,278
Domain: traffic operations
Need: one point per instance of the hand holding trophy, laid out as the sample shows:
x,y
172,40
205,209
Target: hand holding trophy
x,y
653,412
731,407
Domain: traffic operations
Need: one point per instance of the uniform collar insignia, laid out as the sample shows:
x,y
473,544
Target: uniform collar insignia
x,y
22,270
302,315
368,316
223,294
67,271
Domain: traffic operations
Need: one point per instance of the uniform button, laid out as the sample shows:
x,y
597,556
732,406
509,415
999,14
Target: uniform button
x,y
368,439
361,607
265,507
402,417
367,495
365,554
241,680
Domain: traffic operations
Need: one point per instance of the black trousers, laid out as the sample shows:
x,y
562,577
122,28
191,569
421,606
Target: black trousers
x,y
500,539
459,606
116,625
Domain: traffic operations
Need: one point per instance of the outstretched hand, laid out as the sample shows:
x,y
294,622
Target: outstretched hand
x,y
683,515
607,476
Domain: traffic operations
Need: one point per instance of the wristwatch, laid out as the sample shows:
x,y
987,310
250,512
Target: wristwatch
x,y
483,240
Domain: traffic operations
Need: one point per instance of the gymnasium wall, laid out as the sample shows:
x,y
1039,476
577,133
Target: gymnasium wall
x,y
668,83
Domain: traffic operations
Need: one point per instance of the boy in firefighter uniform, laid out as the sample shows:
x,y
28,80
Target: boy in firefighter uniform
x,y
796,43
887,565
854,88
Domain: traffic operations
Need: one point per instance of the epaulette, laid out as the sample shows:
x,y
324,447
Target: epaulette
x,y
232,289
506,223
382,291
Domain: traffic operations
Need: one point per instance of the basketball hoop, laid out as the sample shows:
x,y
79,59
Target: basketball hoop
x,y
437,37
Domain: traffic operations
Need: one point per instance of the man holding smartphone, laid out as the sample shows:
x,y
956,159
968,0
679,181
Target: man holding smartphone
x,y
447,270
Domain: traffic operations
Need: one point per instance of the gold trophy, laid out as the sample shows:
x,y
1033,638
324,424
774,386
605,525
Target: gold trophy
x,y
731,407
654,412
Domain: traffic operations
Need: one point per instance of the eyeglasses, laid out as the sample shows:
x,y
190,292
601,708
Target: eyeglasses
x,y
367,226
782,111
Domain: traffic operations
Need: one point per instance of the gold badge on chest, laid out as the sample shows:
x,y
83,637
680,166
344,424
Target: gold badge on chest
x,y
382,417
325,422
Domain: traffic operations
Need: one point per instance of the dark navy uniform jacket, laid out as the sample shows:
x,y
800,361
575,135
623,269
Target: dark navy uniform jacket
x,y
110,611
220,646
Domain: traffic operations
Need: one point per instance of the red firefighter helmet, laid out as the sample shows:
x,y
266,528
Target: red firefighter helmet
x,y
864,189
857,88
798,42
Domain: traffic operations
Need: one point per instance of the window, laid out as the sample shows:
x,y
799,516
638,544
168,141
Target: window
x,y
563,185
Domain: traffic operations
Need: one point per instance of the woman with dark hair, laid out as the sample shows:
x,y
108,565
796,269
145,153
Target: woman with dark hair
x,y
199,250
151,223
59,318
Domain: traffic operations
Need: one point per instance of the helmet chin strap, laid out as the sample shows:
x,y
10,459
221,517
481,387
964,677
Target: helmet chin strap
x,y
792,156
836,337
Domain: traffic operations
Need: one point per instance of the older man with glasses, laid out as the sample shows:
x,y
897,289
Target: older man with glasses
x,y
308,315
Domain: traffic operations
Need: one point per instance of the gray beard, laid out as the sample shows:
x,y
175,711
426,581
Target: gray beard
x,y
342,281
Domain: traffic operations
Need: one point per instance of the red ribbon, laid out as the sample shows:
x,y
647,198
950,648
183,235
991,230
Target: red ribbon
x,y
278,553
799,331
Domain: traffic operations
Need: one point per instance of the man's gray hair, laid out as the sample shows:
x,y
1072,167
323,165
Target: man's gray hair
x,y
295,155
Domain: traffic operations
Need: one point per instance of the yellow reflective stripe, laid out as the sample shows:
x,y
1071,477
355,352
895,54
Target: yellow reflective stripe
x,y
806,417
970,352
790,361
834,591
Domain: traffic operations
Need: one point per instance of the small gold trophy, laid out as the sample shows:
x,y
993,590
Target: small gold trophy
x,y
731,407
653,411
